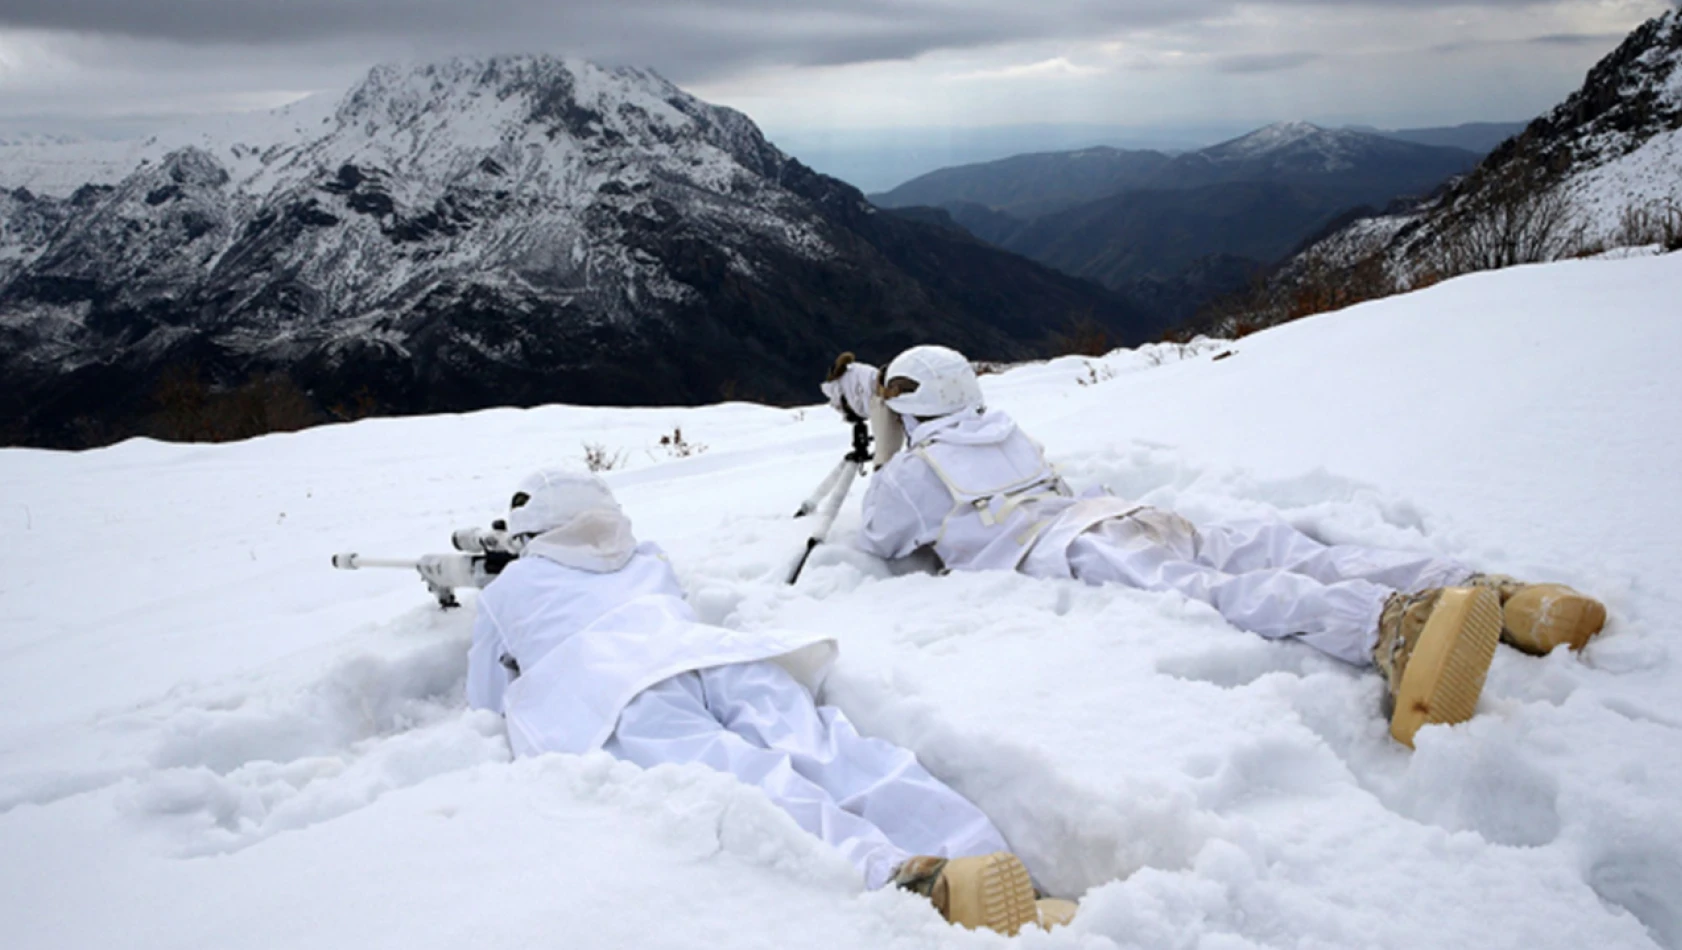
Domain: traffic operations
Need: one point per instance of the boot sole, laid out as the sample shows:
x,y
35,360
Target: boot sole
x,y
994,891
1548,618
1053,912
1446,670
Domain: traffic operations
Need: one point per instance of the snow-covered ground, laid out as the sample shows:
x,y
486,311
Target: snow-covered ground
x,y
1647,179
209,738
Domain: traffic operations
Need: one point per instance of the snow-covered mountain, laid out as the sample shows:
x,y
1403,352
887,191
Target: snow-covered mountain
x,y
208,738
1294,147
1357,167
471,233
1603,169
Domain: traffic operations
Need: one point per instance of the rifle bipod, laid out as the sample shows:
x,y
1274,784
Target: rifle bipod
x,y
832,492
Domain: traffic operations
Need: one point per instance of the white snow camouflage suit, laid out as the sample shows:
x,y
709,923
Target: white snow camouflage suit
x,y
978,491
613,658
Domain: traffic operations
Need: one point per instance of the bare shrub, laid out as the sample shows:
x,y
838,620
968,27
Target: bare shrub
x,y
191,410
180,396
1312,284
1083,336
361,405
1643,225
1513,226
1233,315
1321,286
1162,354
1097,373
599,458
676,447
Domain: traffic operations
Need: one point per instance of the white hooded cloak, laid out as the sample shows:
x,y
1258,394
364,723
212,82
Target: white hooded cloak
x,y
586,642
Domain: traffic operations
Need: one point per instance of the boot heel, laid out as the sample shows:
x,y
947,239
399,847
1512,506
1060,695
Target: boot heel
x,y
993,891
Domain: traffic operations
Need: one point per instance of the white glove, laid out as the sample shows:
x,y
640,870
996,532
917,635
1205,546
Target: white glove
x,y
450,571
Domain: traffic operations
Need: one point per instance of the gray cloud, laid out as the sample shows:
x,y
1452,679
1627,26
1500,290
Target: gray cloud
x,y
120,61
1563,40
1578,39
1264,62
686,39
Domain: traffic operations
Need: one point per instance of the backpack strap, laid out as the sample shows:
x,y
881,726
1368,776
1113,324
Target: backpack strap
x,y
1015,495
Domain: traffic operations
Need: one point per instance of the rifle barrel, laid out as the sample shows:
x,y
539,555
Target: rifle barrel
x,y
353,562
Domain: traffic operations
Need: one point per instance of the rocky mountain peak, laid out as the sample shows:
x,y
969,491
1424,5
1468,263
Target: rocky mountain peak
x,y
1278,135
506,106
1628,97
1303,146
578,98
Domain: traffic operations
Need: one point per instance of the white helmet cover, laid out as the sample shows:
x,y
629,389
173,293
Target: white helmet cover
x,y
575,519
944,382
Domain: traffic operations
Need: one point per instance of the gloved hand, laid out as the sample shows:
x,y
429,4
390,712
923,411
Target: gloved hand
x,y
451,571
850,387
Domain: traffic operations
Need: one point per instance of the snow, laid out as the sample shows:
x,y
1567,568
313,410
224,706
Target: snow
x,y
1329,150
426,122
1273,137
1648,178
209,738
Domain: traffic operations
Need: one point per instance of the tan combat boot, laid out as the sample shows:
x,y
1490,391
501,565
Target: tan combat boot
x,y
992,891
1435,647
1536,618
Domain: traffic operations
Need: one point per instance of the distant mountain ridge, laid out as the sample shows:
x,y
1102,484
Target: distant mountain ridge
x,y
1369,167
1363,168
484,232
1479,137
1158,235
1025,186
1203,222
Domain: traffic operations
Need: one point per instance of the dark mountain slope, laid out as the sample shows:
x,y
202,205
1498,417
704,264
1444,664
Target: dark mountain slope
x,y
1157,234
1025,186
477,233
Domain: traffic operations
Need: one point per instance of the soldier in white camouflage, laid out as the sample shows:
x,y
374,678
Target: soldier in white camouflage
x,y
970,486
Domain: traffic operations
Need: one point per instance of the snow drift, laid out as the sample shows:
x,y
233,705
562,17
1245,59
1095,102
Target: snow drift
x,y
210,738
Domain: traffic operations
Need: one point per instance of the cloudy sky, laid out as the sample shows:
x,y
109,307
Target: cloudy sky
x,y
816,67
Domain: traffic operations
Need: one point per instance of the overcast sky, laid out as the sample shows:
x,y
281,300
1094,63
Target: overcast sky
x,y
807,67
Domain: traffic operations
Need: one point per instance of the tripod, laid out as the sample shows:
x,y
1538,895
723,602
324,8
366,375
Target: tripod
x,y
832,491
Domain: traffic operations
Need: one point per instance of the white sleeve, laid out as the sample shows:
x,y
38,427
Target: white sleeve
x,y
487,678
893,527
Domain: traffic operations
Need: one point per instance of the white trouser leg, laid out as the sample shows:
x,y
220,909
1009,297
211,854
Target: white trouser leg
x,y
1340,618
874,779
1240,546
672,722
